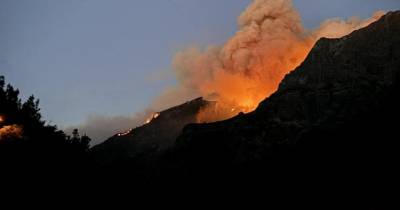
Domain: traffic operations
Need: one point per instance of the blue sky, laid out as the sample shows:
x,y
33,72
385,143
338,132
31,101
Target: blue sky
x,y
84,57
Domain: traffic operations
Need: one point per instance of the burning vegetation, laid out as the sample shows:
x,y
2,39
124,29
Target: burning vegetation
x,y
152,117
125,133
10,132
271,41
148,120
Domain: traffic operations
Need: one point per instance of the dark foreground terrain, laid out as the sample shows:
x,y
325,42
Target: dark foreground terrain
x,y
332,124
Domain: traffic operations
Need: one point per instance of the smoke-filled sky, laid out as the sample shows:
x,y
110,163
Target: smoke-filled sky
x,y
102,61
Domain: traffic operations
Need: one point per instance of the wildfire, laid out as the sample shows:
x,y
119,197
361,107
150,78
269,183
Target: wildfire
x,y
220,111
152,117
125,133
10,132
271,42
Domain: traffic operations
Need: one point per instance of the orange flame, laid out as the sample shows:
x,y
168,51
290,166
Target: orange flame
x,y
125,133
10,132
271,41
152,117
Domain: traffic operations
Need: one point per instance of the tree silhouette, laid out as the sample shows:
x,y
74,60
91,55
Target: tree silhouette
x,y
35,143
81,143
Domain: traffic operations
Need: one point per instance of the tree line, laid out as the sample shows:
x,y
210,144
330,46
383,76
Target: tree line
x,y
28,141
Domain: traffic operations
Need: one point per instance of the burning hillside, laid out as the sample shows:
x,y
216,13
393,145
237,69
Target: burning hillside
x,y
334,113
158,133
270,42
152,117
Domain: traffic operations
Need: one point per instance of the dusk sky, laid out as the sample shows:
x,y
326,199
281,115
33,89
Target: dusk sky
x,y
111,58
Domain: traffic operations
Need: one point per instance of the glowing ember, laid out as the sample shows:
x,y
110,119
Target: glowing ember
x,y
10,132
125,133
152,117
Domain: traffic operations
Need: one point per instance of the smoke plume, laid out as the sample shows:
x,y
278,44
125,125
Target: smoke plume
x,y
270,42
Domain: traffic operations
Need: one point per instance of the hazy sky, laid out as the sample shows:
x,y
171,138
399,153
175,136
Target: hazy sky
x,y
111,57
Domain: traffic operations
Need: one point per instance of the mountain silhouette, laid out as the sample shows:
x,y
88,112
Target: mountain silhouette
x,y
332,118
155,136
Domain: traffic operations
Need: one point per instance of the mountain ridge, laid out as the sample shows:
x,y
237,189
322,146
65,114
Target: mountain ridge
x,y
341,81
156,135
331,115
